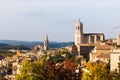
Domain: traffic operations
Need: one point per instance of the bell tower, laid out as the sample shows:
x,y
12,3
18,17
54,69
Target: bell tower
x,y
46,42
78,33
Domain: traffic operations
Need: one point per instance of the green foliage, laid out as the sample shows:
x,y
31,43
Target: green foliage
x,y
38,70
2,78
61,52
6,53
7,47
57,58
88,57
97,71
31,71
9,69
119,67
116,74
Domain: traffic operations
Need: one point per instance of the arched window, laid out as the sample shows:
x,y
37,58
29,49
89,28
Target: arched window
x,y
78,27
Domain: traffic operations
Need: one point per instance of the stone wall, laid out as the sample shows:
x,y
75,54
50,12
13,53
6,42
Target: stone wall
x,y
85,50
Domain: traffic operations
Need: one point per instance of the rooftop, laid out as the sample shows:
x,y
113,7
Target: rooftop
x,y
103,47
94,34
104,56
115,51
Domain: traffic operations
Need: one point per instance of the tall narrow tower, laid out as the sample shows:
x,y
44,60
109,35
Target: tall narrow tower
x,y
78,33
46,42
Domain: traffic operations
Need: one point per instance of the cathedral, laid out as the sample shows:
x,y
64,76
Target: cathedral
x,y
86,38
85,42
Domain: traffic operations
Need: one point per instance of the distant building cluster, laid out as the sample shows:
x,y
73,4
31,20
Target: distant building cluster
x,y
45,47
96,47
88,47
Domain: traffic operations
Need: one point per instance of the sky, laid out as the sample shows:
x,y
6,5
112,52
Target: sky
x,y
31,20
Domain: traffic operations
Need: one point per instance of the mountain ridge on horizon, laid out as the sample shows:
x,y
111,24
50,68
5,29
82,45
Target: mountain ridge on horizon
x,y
34,41
31,44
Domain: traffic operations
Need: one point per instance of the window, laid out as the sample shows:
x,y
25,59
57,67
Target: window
x,y
92,39
78,27
98,38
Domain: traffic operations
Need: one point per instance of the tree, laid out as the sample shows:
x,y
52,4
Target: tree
x,y
25,71
9,69
119,67
31,71
116,73
38,69
50,71
96,71
42,70
68,70
62,71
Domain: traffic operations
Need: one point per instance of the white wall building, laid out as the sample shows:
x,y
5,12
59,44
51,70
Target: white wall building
x,y
114,59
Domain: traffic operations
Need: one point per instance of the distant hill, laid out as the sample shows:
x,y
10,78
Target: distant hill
x,y
31,44
8,46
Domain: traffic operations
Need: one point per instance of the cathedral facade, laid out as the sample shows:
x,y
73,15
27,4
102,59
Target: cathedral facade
x,y
86,38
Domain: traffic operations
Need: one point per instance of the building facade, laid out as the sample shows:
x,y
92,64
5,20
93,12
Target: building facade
x,y
114,59
86,38
101,52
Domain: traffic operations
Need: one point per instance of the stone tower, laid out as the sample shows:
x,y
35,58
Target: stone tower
x,y
46,42
78,33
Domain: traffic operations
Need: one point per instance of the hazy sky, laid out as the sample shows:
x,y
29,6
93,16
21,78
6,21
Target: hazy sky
x,y
31,20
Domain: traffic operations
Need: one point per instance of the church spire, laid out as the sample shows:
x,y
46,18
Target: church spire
x,y
46,42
